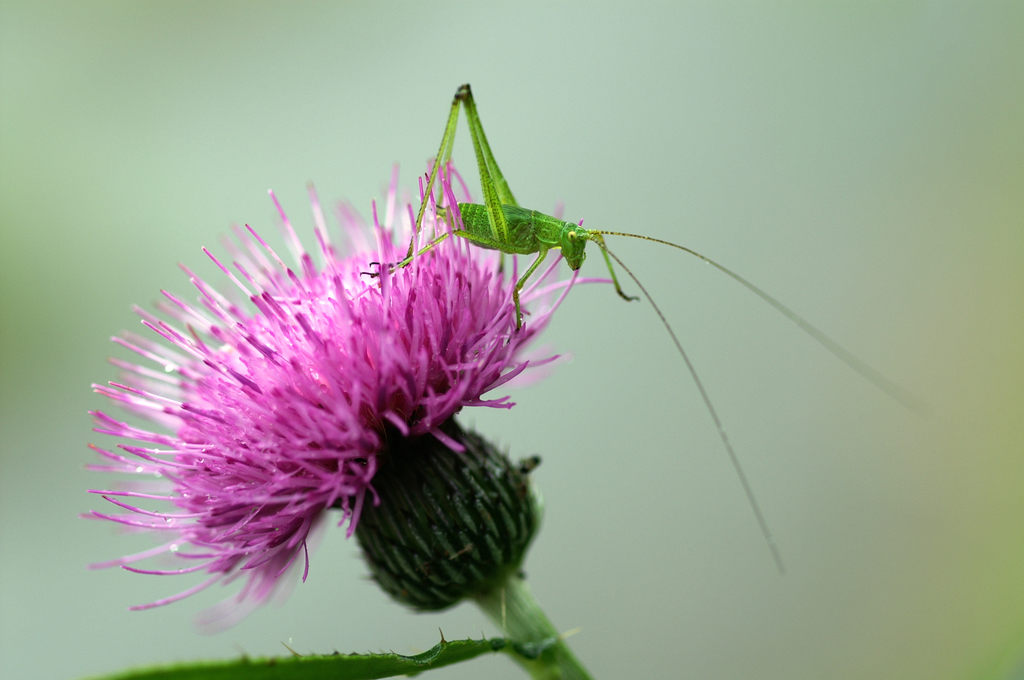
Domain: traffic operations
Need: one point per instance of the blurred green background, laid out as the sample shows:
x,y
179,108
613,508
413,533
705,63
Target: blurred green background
x,y
862,162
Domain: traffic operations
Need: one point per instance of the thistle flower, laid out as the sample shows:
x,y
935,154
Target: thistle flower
x,y
268,413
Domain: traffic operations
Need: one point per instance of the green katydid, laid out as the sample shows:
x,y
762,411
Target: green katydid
x,y
501,224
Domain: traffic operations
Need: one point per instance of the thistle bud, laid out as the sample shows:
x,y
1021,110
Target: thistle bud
x,y
448,524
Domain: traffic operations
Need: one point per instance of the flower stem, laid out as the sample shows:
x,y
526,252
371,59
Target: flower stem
x,y
516,612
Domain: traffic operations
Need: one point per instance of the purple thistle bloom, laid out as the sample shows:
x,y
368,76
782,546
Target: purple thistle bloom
x,y
269,415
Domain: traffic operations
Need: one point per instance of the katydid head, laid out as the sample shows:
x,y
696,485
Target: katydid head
x,y
572,241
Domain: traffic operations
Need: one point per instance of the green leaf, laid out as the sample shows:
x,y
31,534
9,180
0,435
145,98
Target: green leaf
x,y
338,666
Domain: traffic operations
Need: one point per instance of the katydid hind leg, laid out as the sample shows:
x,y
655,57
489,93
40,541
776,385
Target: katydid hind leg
x,y
501,187
495,215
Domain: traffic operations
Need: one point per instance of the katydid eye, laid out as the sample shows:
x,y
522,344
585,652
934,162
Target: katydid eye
x,y
572,235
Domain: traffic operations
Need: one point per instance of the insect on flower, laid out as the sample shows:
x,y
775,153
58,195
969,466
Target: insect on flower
x,y
269,410
501,224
